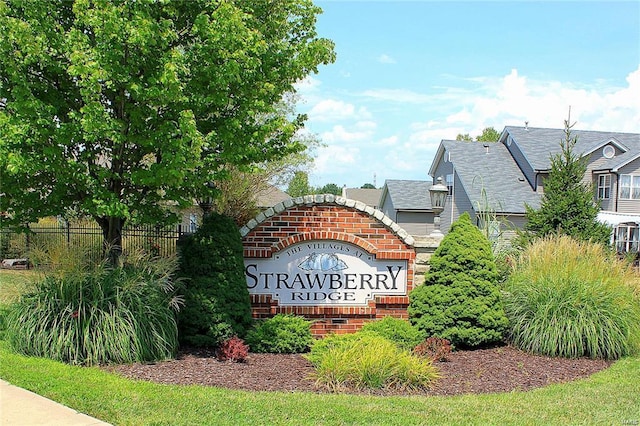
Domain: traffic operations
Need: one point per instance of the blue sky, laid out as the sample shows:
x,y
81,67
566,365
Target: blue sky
x,y
411,73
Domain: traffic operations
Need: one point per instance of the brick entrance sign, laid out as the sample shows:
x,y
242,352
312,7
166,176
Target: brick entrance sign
x,y
329,259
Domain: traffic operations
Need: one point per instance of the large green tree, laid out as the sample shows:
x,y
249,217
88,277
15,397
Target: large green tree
x,y
489,134
330,188
568,206
123,109
238,195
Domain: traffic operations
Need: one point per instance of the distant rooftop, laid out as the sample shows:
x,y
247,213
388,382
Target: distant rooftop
x,y
409,194
270,197
369,196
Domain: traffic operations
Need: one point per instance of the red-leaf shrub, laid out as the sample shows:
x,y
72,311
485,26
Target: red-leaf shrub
x,y
233,349
434,348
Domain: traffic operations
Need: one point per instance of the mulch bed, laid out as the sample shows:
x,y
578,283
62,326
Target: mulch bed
x,y
500,369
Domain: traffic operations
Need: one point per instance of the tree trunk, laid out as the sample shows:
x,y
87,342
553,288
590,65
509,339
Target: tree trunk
x,y
111,238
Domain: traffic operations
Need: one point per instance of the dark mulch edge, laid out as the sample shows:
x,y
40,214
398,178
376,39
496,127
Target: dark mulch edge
x,y
499,369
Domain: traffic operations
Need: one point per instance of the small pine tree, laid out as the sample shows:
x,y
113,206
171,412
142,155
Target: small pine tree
x,y
460,300
216,300
568,206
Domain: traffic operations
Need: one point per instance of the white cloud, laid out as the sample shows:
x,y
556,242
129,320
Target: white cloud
x,y
397,95
361,132
389,141
386,59
358,141
333,157
514,99
622,107
334,110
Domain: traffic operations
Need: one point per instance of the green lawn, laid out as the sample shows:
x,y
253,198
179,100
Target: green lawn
x,y
610,397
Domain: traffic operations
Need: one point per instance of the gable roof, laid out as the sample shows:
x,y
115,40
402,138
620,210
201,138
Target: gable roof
x,y
538,144
408,194
369,196
490,176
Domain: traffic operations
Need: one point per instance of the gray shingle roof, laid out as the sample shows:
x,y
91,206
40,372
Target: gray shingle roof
x,y
539,144
409,194
488,167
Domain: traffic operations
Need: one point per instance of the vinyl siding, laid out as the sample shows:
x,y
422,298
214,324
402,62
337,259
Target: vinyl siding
x,y
596,159
455,205
387,207
509,224
629,206
415,223
443,169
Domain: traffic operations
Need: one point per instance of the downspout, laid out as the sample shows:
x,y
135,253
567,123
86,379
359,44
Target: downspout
x,y
615,200
615,209
453,191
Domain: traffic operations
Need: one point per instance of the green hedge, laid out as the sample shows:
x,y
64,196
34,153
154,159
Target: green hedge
x,y
216,299
281,334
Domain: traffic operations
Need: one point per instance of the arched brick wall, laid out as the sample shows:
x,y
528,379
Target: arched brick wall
x,y
328,217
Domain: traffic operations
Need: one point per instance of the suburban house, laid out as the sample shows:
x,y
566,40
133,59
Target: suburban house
x,y
369,196
407,203
270,196
264,198
494,180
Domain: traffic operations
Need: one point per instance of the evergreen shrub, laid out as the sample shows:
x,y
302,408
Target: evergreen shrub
x,y
286,334
216,299
398,330
572,299
460,300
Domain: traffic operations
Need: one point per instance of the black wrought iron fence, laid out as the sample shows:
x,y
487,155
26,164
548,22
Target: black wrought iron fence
x,y
87,235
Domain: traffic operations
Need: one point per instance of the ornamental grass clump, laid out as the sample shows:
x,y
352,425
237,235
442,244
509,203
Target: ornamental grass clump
x,y
573,299
367,361
105,315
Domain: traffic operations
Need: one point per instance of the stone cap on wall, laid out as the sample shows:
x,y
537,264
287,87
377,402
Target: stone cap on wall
x,y
328,199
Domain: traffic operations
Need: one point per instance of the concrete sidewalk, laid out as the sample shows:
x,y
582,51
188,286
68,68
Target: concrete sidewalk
x,y
21,407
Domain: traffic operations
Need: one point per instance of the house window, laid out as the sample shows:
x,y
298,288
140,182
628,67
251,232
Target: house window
x,y
193,222
627,237
604,187
449,179
608,151
629,187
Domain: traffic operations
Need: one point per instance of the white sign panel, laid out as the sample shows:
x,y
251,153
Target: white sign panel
x,y
325,272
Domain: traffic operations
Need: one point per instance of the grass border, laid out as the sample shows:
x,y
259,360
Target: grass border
x,y
610,397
